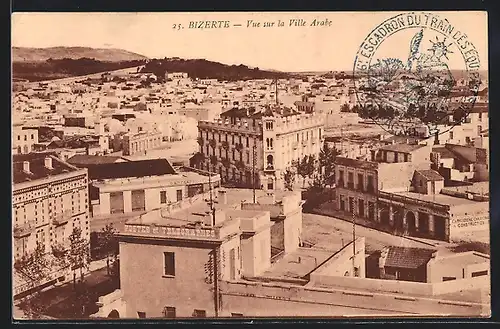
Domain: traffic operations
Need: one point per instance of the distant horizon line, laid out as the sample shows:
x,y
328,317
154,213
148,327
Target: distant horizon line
x,y
207,59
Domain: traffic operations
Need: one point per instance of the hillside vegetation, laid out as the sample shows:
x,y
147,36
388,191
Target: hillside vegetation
x,y
203,69
21,54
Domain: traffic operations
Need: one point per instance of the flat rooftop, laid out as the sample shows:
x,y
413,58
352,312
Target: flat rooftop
x,y
299,263
438,198
235,195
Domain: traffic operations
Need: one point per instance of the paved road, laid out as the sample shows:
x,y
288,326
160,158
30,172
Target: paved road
x,y
329,232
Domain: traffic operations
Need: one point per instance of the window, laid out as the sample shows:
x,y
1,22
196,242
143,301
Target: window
x,y
232,139
248,142
179,195
451,134
237,315
480,273
163,197
360,182
200,313
449,278
141,315
169,263
169,312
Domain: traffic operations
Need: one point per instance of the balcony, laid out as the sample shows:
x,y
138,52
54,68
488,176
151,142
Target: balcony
x,y
61,219
269,168
350,185
370,189
360,187
25,230
340,183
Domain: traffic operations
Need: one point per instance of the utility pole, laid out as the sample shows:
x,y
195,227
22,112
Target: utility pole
x,y
254,161
353,239
216,249
210,184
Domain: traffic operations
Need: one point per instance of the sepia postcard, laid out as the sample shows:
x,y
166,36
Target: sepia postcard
x,y
250,165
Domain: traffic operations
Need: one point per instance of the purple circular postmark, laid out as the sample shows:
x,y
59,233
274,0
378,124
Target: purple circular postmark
x,y
416,72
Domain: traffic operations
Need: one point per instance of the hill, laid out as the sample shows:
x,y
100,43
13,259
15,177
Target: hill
x,y
31,55
204,69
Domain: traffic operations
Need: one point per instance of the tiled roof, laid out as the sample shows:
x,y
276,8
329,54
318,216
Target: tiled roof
x,y
81,160
141,168
37,167
404,257
430,175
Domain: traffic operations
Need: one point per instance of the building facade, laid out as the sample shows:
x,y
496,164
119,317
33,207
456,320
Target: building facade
x,y
23,140
50,198
139,143
243,144
399,190
131,194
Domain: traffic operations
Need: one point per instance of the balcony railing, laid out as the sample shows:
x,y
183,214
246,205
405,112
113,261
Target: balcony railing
x,y
21,231
350,185
370,188
269,168
340,183
360,187
61,219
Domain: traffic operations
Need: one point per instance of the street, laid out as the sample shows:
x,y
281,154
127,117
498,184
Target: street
x,y
57,300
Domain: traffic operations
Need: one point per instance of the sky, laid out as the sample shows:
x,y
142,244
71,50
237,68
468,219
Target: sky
x,y
286,48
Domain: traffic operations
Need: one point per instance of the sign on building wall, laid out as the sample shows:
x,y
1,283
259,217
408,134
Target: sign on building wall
x,y
470,222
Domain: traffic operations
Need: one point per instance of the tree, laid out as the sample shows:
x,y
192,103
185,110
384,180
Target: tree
x,y
79,253
305,167
289,178
33,268
327,157
107,243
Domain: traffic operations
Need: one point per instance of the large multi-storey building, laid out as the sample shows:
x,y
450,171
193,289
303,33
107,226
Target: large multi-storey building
x,y
50,198
263,142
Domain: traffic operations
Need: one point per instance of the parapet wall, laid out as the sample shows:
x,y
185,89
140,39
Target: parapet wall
x,y
273,299
401,287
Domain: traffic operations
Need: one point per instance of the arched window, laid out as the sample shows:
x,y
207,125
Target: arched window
x,y
270,164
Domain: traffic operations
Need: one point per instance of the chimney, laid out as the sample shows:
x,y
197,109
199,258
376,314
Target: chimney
x,y
26,166
48,162
222,197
